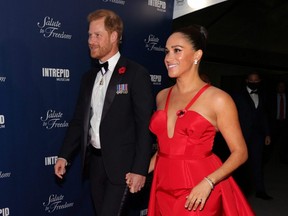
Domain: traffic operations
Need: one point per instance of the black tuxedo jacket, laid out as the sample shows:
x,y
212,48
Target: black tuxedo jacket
x,y
252,120
124,129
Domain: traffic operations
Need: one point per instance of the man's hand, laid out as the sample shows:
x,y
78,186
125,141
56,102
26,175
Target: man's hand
x,y
60,167
135,182
267,140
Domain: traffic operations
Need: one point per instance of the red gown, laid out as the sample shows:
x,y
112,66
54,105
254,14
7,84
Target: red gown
x,y
183,161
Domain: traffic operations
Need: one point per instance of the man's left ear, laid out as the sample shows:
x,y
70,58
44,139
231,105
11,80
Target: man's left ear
x,y
114,36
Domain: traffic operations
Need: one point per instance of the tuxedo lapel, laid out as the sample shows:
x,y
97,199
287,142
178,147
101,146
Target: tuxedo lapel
x,y
249,100
112,87
89,88
90,83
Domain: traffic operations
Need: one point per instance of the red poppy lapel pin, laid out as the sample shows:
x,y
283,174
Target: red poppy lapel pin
x,y
122,70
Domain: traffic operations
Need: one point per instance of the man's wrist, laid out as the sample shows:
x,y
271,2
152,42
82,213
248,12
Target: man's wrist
x,y
60,158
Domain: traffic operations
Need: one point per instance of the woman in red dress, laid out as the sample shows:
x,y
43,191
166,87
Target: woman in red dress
x,y
188,178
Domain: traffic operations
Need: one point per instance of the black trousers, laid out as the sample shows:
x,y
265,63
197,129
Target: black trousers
x,y
255,160
106,196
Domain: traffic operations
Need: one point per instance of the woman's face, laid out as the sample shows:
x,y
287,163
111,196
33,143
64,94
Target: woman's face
x,y
180,55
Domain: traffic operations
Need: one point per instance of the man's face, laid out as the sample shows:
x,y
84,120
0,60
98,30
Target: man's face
x,y
253,81
254,78
99,41
281,87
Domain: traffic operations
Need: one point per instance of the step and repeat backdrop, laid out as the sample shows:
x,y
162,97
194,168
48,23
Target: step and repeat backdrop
x,y
43,54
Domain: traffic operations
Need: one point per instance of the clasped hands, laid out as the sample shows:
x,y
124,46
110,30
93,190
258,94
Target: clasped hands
x,y
198,196
135,182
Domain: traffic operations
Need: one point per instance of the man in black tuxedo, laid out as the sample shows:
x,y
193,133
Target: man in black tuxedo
x,y
111,120
253,117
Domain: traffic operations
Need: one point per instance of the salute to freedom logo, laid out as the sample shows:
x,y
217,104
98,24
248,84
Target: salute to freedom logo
x,y
53,120
50,28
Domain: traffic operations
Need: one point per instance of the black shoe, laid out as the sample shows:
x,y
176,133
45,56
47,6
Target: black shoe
x,y
263,195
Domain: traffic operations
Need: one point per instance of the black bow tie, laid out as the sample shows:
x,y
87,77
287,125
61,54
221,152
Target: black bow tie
x,y
103,65
254,91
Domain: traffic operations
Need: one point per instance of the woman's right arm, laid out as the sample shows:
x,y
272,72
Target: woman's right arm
x,y
152,163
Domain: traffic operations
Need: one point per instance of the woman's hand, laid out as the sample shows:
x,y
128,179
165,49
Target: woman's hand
x,y
198,196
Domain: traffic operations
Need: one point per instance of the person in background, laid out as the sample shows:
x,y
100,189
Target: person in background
x,y
254,120
280,124
188,178
110,125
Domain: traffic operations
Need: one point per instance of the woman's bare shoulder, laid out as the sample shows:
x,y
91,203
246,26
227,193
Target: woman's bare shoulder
x,y
161,97
217,94
163,93
220,99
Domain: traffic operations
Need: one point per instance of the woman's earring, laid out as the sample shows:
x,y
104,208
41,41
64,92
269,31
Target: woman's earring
x,y
195,61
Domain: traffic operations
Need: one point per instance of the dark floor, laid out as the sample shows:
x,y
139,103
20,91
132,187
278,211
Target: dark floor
x,y
276,181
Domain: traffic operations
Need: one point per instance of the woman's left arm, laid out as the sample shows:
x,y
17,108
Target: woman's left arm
x,y
228,124
225,117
